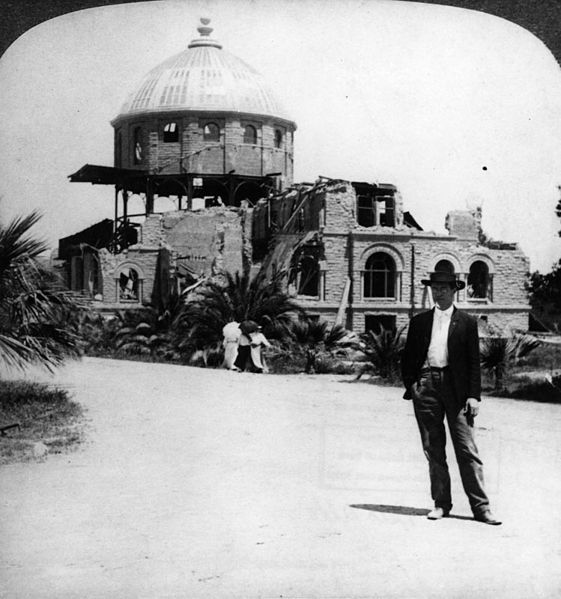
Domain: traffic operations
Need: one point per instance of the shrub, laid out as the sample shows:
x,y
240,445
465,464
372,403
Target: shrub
x,y
318,338
285,358
498,354
383,352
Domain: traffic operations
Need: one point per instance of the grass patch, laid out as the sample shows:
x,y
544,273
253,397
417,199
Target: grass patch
x,y
49,421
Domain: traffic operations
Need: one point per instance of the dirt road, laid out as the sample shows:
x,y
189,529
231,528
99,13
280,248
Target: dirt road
x,y
209,484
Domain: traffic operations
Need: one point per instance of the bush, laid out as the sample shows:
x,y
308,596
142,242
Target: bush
x,y
499,354
383,352
134,334
287,358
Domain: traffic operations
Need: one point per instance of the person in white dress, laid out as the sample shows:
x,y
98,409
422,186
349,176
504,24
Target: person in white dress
x,y
258,342
231,333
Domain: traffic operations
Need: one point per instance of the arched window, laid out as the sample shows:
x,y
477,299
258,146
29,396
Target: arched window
x,y
211,132
250,135
478,280
379,276
129,285
445,266
137,137
171,133
278,138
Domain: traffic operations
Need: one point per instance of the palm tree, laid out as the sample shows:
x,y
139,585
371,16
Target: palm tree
x,y
383,351
34,309
315,337
237,298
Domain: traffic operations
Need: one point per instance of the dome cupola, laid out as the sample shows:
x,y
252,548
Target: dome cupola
x,y
203,77
205,112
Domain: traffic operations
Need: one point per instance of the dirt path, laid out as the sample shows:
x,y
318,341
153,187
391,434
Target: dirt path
x,y
210,484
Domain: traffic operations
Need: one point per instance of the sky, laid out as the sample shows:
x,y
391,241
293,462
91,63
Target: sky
x,y
456,108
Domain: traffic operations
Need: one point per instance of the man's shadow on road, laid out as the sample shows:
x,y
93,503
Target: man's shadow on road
x,y
400,510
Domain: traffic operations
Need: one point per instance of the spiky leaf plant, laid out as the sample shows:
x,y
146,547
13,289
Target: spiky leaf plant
x,y
35,311
383,352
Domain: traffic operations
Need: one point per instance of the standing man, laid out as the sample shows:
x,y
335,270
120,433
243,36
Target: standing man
x,y
441,373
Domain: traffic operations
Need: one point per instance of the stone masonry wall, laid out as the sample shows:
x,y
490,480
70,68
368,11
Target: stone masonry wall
x,y
141,259
195,154
206,239
507,308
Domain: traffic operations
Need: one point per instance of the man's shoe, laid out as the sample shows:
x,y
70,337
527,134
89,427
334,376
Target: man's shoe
x,y
437,513
487,518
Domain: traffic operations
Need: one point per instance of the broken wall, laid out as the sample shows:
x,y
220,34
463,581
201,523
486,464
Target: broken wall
x,y
206,239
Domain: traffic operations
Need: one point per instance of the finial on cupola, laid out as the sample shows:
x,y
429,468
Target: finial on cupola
x,y
205,40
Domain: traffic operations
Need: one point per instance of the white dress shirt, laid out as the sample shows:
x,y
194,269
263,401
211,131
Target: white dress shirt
x,y
437,355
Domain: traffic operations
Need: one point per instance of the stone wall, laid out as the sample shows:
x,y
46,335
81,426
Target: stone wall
x,y
192,153
143,260
207,239
218,238
415,254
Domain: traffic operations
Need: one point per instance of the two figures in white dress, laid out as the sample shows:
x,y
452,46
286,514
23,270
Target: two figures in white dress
x,y
243,344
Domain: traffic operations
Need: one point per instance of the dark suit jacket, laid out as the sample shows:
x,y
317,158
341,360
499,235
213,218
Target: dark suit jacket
x,y
463,353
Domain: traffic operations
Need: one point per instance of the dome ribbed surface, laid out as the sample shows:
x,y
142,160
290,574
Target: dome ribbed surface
x,y
204,77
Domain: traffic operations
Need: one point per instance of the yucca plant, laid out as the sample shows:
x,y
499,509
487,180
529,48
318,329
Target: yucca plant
x,y
316,337
498,353
383,352
35,311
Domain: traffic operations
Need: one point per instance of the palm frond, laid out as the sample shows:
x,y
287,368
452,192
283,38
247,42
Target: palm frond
x,y
14,353
36,315
15,246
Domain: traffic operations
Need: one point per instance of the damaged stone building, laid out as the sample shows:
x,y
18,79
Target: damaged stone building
x,y
205,131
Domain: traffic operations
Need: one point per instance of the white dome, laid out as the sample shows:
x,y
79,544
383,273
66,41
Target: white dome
x,y
203,78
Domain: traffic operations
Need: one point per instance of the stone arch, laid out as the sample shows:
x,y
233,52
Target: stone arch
x,y
129,282
483,258
479,278
380,279
250,134
211,131
449,257
386,248
123,266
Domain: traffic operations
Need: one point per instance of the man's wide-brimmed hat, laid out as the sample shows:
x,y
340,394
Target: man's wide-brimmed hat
x,y
440,276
